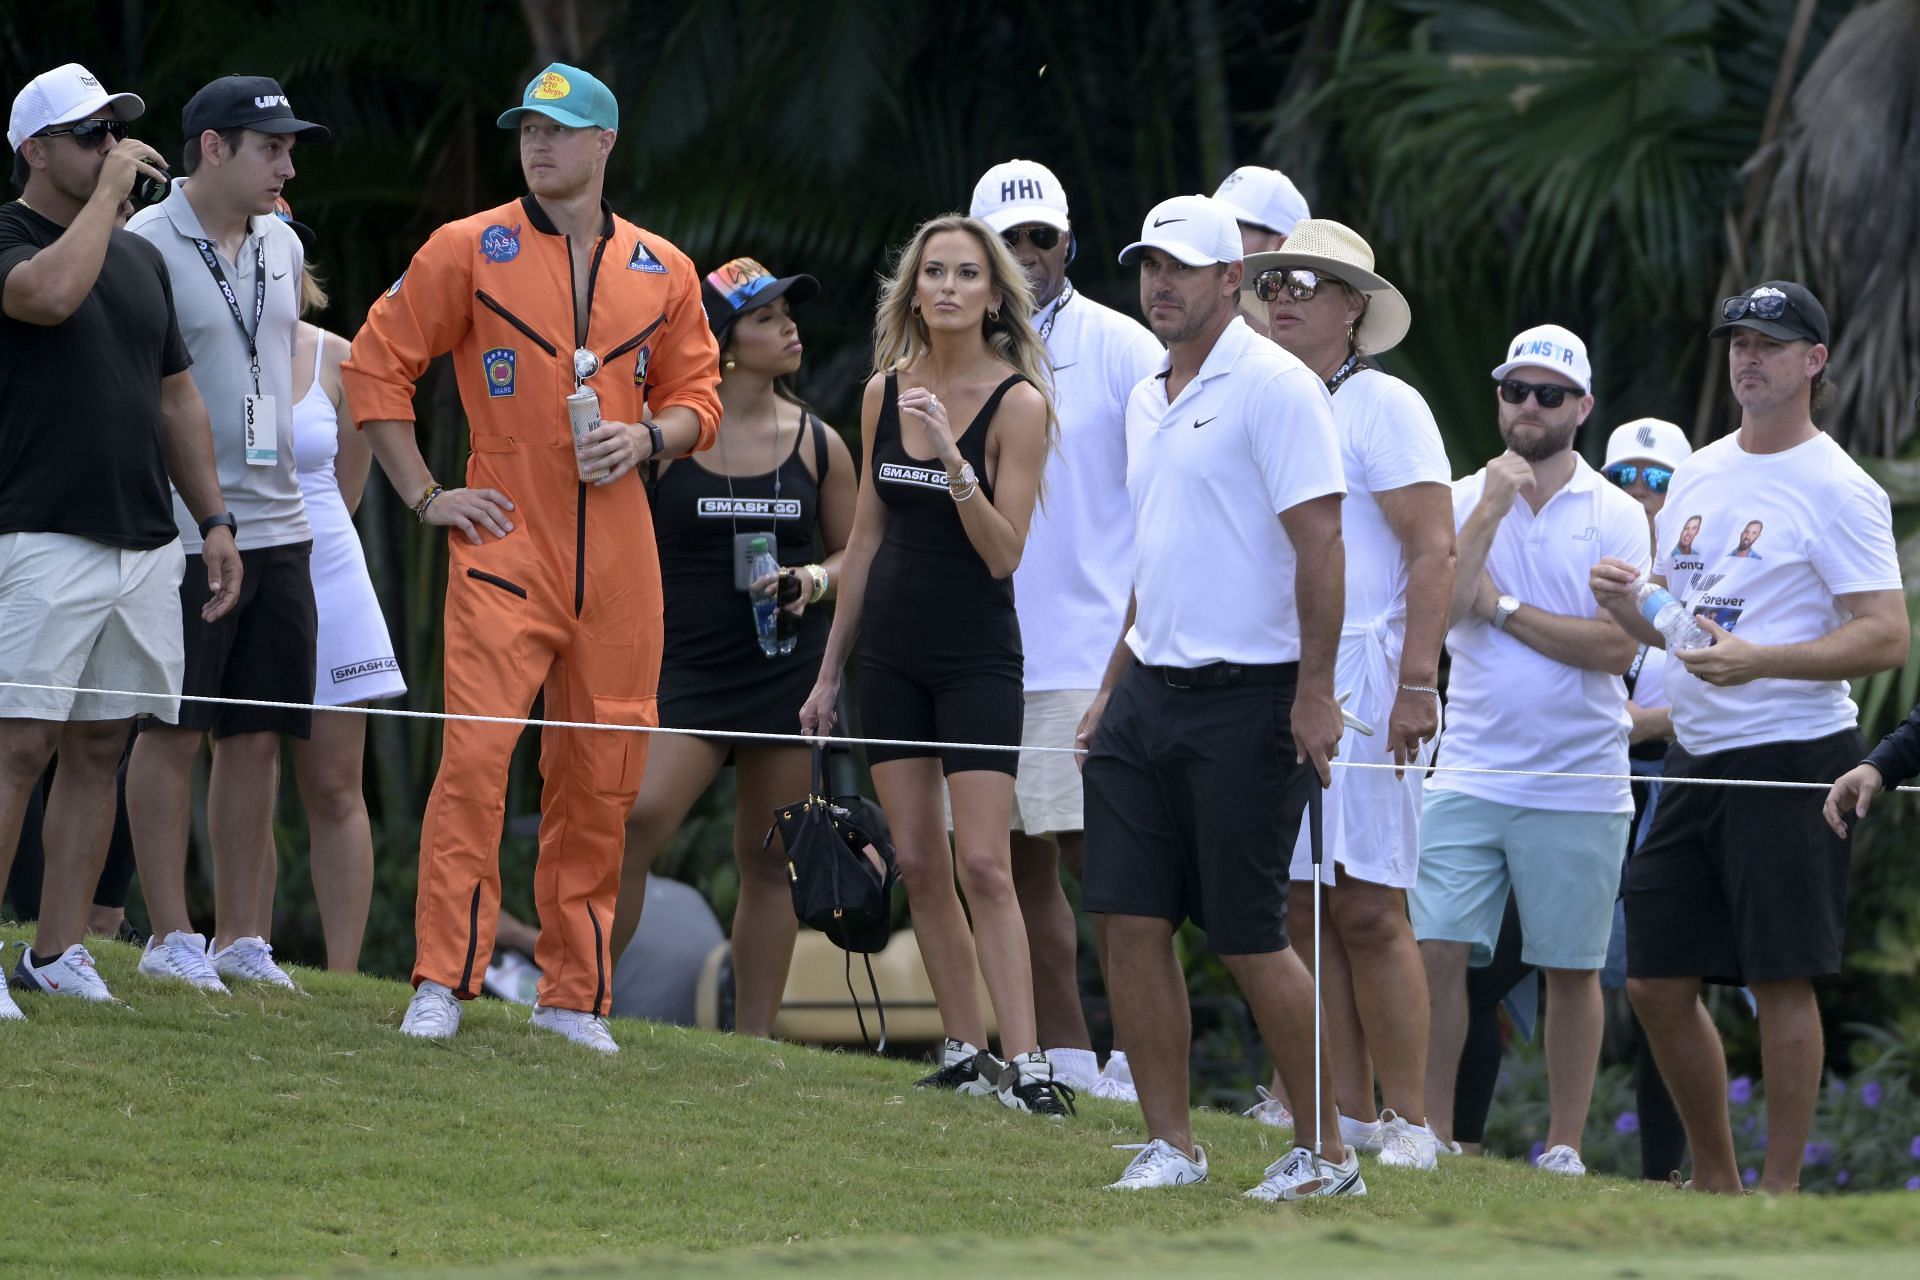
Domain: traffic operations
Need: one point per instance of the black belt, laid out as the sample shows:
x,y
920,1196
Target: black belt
x,y
1224,675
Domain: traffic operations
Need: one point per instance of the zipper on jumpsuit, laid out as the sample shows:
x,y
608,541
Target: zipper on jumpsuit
x,y
580,340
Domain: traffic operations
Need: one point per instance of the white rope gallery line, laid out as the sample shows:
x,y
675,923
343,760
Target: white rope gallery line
x,y
799,739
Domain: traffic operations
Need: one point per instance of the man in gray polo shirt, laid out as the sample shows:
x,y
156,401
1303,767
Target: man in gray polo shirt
x,y
235,269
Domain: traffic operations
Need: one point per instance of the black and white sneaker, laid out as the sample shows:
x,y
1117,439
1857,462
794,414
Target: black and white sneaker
x,y
1027,1084
957,1068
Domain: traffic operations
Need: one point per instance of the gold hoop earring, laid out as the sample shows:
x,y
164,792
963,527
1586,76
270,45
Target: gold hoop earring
x,y
993,317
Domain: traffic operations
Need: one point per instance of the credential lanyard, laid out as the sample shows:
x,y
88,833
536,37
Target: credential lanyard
x,y
233,303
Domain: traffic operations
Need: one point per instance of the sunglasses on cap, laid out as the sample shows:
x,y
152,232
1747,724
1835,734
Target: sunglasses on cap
x,y
1625,473
1043,238
1549,394
1768,306
1300,284
88,135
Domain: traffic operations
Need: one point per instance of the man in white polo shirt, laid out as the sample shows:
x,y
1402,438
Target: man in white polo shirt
x,y
1536,684
1070,588
1217,714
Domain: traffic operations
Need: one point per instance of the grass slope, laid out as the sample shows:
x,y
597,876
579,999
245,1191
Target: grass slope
x,y
271,1133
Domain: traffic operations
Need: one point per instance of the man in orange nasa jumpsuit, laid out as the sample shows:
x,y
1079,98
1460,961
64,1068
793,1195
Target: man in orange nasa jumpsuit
x,y
554,581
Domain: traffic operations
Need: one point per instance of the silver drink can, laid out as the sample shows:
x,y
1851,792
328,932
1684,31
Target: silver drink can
x,y
583,412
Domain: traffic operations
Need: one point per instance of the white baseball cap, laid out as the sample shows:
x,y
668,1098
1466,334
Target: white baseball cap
x,y
1265,197
1017,193
1198,230
62,96
1648,440
1549,346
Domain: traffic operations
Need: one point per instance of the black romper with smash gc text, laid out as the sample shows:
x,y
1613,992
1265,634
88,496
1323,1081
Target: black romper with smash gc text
x,y
940,656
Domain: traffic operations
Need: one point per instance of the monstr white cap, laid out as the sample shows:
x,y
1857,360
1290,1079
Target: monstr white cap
x,y
1265,197
1198,230
1549,346
62,96
1017,193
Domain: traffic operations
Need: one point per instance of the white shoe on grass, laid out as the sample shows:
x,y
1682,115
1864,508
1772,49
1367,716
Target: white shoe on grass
x,y
71,973
1269,1110
432,1014
181,957
9,1011
1563,1160
1027,1083
589,1029
251,960
1301,1175
1404,1145
513,977
1361,1135
1115,1081
1160,1164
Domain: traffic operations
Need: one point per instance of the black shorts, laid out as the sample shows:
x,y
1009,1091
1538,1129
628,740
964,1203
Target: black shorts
x,y
1193,802
1743,884
262,649
980,703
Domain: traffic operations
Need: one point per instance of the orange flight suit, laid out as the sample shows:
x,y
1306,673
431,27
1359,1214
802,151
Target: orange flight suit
x,y
570,599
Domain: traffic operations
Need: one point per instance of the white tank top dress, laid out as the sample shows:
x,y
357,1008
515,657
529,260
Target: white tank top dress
x,y
354,659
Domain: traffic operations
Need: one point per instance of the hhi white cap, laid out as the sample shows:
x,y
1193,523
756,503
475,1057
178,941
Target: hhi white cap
x,y
1265,197
1549,346
1198,230
1648,440
1017,193
62,96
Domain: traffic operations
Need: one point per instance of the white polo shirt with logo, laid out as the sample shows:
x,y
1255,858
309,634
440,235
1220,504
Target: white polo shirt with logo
x,y
1251,436
1509,706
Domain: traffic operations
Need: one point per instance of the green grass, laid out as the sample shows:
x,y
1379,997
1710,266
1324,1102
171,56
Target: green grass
x,y
270,1133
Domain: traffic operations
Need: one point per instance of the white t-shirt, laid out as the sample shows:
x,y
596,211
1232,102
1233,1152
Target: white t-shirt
x,y
1071,586
1510,706
1824,529
1250,436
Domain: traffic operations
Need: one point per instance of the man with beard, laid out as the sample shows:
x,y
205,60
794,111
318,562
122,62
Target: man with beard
x,y
1536,684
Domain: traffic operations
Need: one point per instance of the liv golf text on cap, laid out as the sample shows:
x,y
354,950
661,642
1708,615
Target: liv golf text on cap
x,y
247,102
1198,230
566,95
1548,346
62,96
1017,194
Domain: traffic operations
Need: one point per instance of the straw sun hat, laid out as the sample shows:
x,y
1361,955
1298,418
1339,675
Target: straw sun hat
x,y
1320,244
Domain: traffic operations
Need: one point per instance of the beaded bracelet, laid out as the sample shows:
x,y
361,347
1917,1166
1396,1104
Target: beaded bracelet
x,y
819,572
426,500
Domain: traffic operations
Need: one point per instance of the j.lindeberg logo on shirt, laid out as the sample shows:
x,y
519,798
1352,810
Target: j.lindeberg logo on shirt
x,y
760,508
925,477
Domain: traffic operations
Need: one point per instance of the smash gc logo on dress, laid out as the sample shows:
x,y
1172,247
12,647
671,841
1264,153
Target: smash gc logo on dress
x,y
500,243
499,366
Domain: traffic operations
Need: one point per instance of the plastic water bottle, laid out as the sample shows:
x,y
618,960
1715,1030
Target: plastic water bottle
x,y
1670,618
772,625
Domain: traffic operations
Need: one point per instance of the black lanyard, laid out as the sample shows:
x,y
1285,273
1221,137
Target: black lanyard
x,y
1046,321
233,303
1345,371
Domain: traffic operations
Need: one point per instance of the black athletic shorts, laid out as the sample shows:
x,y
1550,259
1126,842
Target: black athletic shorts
x,y
1743,884
262,648
1193,802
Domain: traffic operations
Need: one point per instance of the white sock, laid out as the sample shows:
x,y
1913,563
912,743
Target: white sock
x,y
1117,1066
1077,1067
957,1051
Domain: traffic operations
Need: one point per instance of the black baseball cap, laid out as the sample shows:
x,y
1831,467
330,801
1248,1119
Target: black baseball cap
x,y
247,102
1780,309
742,285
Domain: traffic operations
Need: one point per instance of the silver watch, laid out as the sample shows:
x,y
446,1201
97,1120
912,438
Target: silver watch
x,y
1504,608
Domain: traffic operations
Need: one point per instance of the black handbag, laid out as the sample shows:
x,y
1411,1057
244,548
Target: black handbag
x,y
842,870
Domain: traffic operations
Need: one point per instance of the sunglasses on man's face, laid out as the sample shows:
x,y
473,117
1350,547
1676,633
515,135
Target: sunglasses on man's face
x,y
1042,238
1549,394
1625,473
88,135
1299,284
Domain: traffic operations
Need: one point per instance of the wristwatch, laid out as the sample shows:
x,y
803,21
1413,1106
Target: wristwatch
x,y
658,437
1504,608
214,522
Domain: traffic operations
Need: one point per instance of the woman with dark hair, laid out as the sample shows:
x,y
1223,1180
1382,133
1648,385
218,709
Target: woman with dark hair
x,y
776,472
955,424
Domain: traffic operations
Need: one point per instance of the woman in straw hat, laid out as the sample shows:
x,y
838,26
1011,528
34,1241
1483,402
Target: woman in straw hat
x,y
1321,299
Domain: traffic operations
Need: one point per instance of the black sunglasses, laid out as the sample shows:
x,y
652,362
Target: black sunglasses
x,y
1549,394
1768,306
88,135
1300,283
1625,473
1042,238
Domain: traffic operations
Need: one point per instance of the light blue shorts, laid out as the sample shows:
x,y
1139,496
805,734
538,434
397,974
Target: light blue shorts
x,y
1563,867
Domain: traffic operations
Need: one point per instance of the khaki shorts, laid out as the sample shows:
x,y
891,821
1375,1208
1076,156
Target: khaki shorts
x,y
75,613
1046,792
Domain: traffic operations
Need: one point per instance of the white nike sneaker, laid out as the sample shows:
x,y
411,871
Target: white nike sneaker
x,y
1160,1164
513,977
1563,1160
1447,1148
1301,1175
432,1014
589,1029
1404,1145
1361,1135
1269,1110
71,973
251,960
181,957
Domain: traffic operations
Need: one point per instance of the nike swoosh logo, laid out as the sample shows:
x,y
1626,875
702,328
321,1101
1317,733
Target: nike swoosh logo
x,y
1161,222
1203,422
1068,365
280,275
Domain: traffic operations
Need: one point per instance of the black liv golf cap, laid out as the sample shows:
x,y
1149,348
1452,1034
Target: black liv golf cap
x,y
1799,316
247,102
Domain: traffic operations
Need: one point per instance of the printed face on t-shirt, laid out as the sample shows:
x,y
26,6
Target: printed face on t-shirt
x,y
1688,532
1749,536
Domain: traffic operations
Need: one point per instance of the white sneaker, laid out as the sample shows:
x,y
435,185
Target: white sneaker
x,y
1159,1164
251,960
181,957
1563,1160
71,973
589,1029
1447,1148
513,977
432,1014
1404,1145
1301,1175
9,1011
1269,1110
1361,1135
